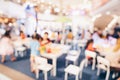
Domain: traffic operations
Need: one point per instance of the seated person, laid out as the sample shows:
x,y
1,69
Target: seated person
x,y
44,42
34,47
89,46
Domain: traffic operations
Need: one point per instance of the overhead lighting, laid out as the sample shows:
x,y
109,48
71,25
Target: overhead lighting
x,y
57,10
42,1
47,11
108,12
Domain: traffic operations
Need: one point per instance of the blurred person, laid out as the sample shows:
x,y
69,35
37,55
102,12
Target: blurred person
x,y
59,37
44,43
69,37
6,47
89,46
53,37
34,47
116,30
30,22
87,35
22,35
96,35
45,40
46,29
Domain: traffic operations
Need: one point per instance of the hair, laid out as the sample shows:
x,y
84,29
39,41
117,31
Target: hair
x,y
117,47
35,36
89,41
70,30
46,33
21,32
7,34
117,24
40,38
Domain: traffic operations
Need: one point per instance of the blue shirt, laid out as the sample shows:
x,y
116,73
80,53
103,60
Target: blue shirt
x,y
34,46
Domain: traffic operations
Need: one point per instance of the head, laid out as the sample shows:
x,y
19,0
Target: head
x,y
58,33
70,30
117,24
89,41
45,35
21,32
7,34
36,8
40,38
35,37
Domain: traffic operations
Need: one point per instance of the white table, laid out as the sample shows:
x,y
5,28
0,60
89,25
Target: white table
x,y
20,42
55,56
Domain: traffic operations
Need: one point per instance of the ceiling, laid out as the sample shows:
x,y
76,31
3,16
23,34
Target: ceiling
x,y
103,21
112,7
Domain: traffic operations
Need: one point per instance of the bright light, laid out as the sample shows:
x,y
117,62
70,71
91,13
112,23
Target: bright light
x,y
42,1
57,10
10,24
47,11
108,12
75,12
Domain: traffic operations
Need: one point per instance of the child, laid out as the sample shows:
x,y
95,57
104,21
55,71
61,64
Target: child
x,y
6,47
22,35
34,47
44,42
89,46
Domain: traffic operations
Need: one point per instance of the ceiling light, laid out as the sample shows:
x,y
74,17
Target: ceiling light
x,y
57,10
108,12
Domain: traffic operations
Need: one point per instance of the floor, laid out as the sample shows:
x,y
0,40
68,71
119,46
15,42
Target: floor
x,y
23,65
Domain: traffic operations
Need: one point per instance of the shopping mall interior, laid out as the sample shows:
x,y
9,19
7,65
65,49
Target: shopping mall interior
x,y
59,40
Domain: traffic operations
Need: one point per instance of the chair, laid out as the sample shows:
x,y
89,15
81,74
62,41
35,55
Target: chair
x,y
41,64
20,51
93,56
73,56
19,48
75,70
103,64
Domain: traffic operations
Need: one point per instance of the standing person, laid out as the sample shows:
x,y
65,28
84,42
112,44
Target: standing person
x,y
34,47
116,31
30,22
69,37
59,37
6,47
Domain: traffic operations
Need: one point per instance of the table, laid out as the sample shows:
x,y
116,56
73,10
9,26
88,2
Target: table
x,y
21,42
114,63
55,56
